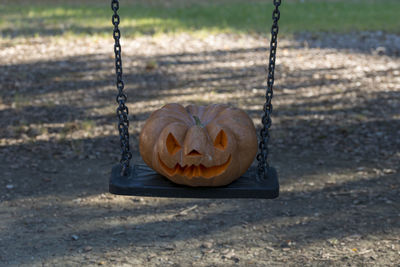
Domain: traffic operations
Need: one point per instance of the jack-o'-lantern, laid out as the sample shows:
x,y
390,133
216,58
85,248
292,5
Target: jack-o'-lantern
x,y
199,145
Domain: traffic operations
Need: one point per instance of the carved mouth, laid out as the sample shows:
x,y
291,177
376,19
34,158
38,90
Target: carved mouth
x,y
195,170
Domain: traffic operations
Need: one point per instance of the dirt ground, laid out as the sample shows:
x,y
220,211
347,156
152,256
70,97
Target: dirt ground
x,y
335,143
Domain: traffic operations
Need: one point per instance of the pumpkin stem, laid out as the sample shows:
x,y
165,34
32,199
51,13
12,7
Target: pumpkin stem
x,y
198,122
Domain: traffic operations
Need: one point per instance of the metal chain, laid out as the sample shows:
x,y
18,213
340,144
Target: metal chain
x,y
122,110
262,156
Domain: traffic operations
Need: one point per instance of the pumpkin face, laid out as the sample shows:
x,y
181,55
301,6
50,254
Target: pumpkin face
x,y
199,145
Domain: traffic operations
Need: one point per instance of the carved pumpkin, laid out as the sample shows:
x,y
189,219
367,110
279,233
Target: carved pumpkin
x,y
199,145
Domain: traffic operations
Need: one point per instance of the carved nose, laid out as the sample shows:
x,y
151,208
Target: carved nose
x,y
194,152
195,144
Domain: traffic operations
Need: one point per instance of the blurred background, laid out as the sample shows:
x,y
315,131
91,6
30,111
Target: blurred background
x,y
335,137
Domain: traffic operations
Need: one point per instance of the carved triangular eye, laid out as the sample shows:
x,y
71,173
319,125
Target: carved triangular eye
x,y
221,141
172,144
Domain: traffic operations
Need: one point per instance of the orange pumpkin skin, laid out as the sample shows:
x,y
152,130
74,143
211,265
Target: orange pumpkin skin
x,y
199,145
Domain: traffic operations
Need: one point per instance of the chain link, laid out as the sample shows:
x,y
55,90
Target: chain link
x,y
122,110
262,156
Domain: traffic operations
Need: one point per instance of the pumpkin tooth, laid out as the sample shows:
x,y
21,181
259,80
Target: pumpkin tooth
x,y
182,169
177,169
196,171
193,170
187,171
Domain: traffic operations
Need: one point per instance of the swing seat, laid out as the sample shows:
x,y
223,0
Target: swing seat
x,y
143,181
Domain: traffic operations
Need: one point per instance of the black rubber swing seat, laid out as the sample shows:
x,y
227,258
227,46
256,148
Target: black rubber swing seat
x,y
143,181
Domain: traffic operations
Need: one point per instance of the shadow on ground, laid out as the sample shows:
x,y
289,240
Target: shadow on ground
x,y
334,145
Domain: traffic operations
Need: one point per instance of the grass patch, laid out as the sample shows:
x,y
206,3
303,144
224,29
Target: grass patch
x,y
49,19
